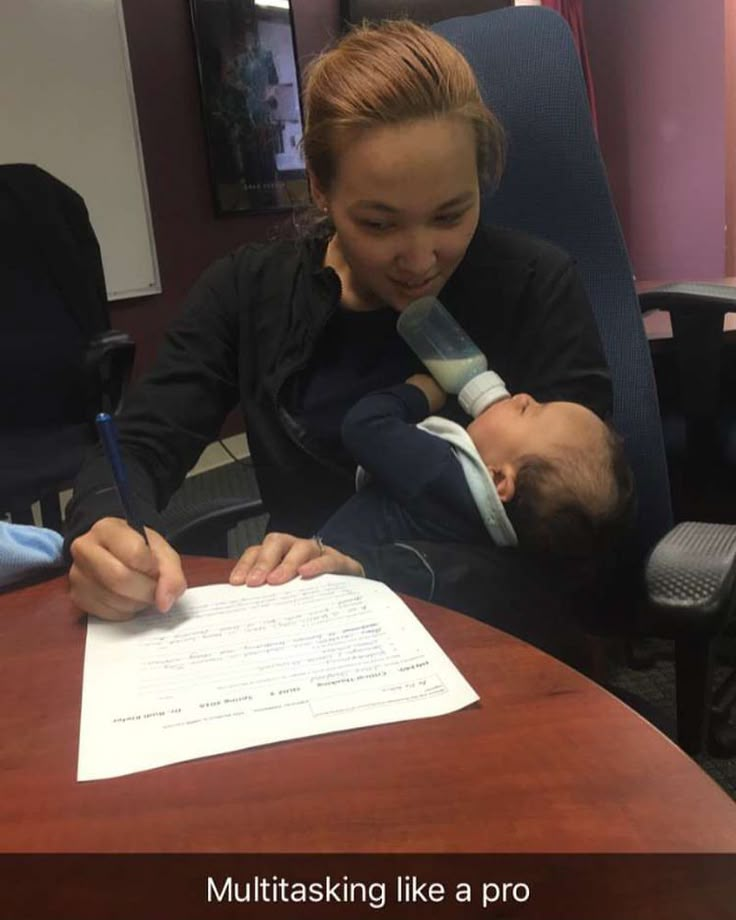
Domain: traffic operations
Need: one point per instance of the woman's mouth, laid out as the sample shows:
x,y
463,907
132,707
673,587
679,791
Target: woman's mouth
x,y
415,287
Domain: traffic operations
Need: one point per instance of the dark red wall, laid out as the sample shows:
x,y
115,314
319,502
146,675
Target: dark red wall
x,y
658,69
188,235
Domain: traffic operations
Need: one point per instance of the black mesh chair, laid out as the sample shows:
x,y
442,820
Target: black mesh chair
x,y
220,518
60,362
676,584
695,380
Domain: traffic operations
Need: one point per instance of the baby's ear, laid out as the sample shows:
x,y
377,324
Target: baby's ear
x,y
504,478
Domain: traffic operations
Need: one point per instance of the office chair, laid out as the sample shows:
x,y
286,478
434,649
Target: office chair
x,y
694,374
676,584
60,362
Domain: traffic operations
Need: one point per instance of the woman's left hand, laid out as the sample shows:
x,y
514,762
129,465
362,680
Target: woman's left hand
x,y
283,556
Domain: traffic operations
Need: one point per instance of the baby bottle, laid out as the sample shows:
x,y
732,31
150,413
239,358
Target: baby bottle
x,y
450,355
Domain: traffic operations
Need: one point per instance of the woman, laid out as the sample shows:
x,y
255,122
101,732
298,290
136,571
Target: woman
x,y
397,144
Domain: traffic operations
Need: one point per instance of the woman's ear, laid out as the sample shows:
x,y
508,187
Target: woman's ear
x,y
318,195
504,478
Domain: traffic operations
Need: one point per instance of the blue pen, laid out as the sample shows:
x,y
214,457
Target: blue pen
x,y
109,437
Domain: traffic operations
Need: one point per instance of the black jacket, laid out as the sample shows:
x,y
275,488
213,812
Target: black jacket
x,y
251,323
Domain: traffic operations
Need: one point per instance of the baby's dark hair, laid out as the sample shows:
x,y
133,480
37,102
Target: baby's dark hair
x,y
578,505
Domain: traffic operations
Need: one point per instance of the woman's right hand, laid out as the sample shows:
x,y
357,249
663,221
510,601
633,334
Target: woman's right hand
x,y
114,575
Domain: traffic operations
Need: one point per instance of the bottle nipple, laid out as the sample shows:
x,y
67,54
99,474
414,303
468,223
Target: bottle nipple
x,y
481,392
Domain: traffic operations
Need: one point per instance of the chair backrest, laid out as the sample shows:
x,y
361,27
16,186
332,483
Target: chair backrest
x,y
555,187
53,218
52,303
53,299
419,10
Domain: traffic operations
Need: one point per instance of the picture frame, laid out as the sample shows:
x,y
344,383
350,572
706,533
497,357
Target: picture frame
x,y
251,104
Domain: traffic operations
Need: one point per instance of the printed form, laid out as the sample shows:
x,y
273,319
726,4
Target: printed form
x,y
234,667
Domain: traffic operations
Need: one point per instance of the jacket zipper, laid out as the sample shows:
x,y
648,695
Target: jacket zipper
x,y
287,421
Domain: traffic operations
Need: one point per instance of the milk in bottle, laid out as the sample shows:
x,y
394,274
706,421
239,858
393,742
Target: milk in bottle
x,y
450,355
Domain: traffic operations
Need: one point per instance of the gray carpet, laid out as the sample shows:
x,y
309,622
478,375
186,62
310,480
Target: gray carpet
x,y
650,691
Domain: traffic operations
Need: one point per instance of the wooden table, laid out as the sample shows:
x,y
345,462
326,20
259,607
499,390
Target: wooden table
x,y
546,761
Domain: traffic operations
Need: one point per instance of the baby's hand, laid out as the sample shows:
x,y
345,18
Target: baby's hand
x,y
436,396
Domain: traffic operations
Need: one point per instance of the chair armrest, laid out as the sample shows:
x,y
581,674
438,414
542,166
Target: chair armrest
x,y
681,296
690,577
109,365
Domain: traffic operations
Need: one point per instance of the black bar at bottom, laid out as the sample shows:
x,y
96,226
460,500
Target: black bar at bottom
x,y
276,887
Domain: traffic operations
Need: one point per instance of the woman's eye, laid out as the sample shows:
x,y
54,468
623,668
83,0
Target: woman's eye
x,y
375,225
449,219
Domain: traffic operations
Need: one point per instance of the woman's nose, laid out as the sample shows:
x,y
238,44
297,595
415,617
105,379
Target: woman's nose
x,y
417,255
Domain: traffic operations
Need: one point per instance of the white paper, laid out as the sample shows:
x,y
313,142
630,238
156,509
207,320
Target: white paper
x,y
234,667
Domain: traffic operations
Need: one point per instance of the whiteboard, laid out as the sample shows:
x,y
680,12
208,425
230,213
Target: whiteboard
x,y
67,105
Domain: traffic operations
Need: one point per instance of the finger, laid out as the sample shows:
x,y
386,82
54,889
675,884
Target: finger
x,y
332,563
125,544
300,553
112,577
91,598
243,566
270,554
171,581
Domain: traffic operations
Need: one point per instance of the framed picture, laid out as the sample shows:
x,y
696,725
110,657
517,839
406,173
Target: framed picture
x,y
249,86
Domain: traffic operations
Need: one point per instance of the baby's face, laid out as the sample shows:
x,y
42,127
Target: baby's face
x,y
519,426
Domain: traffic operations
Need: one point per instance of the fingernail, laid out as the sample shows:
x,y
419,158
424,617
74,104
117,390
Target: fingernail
x,y
256,577
237,578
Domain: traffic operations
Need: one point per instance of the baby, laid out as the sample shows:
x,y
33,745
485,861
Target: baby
x,y
547,477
